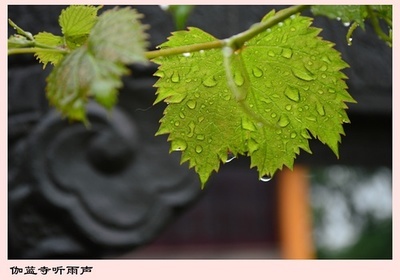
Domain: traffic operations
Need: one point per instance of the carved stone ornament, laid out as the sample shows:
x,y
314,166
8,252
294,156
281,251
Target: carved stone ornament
x,y
98,191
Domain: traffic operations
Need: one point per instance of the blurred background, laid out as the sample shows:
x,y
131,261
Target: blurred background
x,y
326,208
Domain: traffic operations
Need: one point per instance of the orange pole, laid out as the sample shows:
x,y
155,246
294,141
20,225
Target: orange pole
x,y
294,212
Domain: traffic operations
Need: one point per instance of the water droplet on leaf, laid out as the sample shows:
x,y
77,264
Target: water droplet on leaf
x,y
257,72
191,129
238,78
178,145
191,104
293,135
210,81
323,68
283,121
271,53
175,77
246,124
287,53
303,74
199,149
200,137
320,109
292,93
252,145
305,134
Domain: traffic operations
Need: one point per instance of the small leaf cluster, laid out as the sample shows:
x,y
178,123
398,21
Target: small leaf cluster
x,y
89,59
355,15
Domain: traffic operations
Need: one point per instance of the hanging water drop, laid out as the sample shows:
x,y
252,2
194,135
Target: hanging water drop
x,y
349,41
346,24
265,178
186,54
230,157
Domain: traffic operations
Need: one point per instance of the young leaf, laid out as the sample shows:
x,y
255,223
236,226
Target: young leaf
x,y
119,36
345,13
46,56
283,86
76,22
79,77
95,69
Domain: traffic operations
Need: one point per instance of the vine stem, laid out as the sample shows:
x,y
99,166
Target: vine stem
x,y
377,28
34,50
236,41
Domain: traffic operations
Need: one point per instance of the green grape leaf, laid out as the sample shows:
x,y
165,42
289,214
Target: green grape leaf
x,y
265,100
48,39
79,77
95,71
119,36
76,22
345,13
